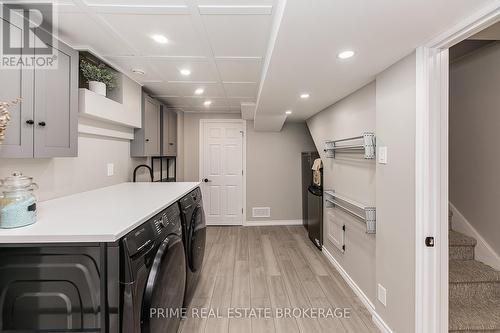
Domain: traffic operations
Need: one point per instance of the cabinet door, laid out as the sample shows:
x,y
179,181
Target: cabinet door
x,y
172,133
56,105
151,127
16,83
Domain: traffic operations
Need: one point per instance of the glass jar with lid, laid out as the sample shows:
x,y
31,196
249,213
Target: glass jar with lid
x,y
17,201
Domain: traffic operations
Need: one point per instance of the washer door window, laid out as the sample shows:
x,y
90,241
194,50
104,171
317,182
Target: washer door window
x,y
196,239
164,292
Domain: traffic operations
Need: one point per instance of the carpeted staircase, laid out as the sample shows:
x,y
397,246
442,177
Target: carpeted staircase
x,y
474,289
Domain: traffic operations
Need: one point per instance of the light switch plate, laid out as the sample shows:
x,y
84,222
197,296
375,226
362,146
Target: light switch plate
x,y
111,169
382,155
382,294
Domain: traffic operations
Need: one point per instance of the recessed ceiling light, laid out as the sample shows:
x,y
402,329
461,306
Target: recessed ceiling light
x,y
345,54
138,71
185,72
207,103
199,91
304,96
288,112
160,39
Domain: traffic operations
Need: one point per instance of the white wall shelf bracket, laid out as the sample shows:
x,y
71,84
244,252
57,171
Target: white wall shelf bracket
x,y
367,147
367,214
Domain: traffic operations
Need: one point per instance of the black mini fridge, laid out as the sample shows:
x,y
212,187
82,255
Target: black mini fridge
x,y
312,200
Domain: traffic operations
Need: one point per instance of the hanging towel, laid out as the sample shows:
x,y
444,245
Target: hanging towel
x,y
317,165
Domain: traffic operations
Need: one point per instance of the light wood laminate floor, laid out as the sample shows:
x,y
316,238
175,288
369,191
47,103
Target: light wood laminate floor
x,y
269,268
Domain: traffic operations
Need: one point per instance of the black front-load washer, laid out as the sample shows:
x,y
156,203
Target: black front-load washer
x,y
153,276
194,236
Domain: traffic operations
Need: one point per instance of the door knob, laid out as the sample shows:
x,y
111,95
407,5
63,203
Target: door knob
x,y
42,123
30,122
206,180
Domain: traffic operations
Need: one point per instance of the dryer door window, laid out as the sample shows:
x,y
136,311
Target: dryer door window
x,y
165,288
197,238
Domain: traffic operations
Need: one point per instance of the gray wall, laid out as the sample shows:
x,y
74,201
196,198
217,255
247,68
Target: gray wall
x,y
395,193
352,176
474,126
388,258
273,164
63,176
274,176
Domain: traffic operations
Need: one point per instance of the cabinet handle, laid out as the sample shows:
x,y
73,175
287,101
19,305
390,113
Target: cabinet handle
x,y
30,122
42,123
171,144
147,140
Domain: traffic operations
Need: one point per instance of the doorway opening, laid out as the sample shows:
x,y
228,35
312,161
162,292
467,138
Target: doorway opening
x,y
474,182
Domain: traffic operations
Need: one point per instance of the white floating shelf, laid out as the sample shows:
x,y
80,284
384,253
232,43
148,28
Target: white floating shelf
x,y
99,107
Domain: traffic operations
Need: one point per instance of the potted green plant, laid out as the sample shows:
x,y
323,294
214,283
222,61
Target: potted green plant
x,y
98,76
5,116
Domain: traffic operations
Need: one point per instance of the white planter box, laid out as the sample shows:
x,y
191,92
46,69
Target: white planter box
x,y
95,106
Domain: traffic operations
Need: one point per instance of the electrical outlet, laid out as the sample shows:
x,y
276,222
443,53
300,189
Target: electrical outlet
x,y
382,294
111,169
382,155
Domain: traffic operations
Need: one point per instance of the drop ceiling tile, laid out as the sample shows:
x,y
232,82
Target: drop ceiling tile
x,y
169,70
240,89
177,101
239,70
137,2
238,35
184,39
220,109
93,35
186,89
127,64
234,2
216,103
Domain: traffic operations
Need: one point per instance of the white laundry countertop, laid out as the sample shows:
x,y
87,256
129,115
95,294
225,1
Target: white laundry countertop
x,y
102,215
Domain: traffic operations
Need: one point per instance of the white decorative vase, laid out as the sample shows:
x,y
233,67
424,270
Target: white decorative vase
x,y
97,87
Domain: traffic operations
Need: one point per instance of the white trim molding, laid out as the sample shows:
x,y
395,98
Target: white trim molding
x,y
376,318
431,170
483,251
262,223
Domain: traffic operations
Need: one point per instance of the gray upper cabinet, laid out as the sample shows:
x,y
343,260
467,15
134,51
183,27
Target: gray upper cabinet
x,y
147,139
169,132
56,106
45,123
16,83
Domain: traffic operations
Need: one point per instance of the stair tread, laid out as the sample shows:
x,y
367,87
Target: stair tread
x,y
459,239
472,271
474,315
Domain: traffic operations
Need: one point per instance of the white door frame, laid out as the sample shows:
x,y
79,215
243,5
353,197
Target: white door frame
x,y
200,155
431,171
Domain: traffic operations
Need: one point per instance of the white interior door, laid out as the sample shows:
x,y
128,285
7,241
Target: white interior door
x,y
221,170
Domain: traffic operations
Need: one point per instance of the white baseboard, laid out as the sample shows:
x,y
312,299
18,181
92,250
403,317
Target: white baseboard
x,y
379,322
272,222
483,250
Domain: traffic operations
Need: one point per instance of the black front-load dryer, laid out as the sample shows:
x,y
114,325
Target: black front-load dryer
x,y
153,275
194,237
